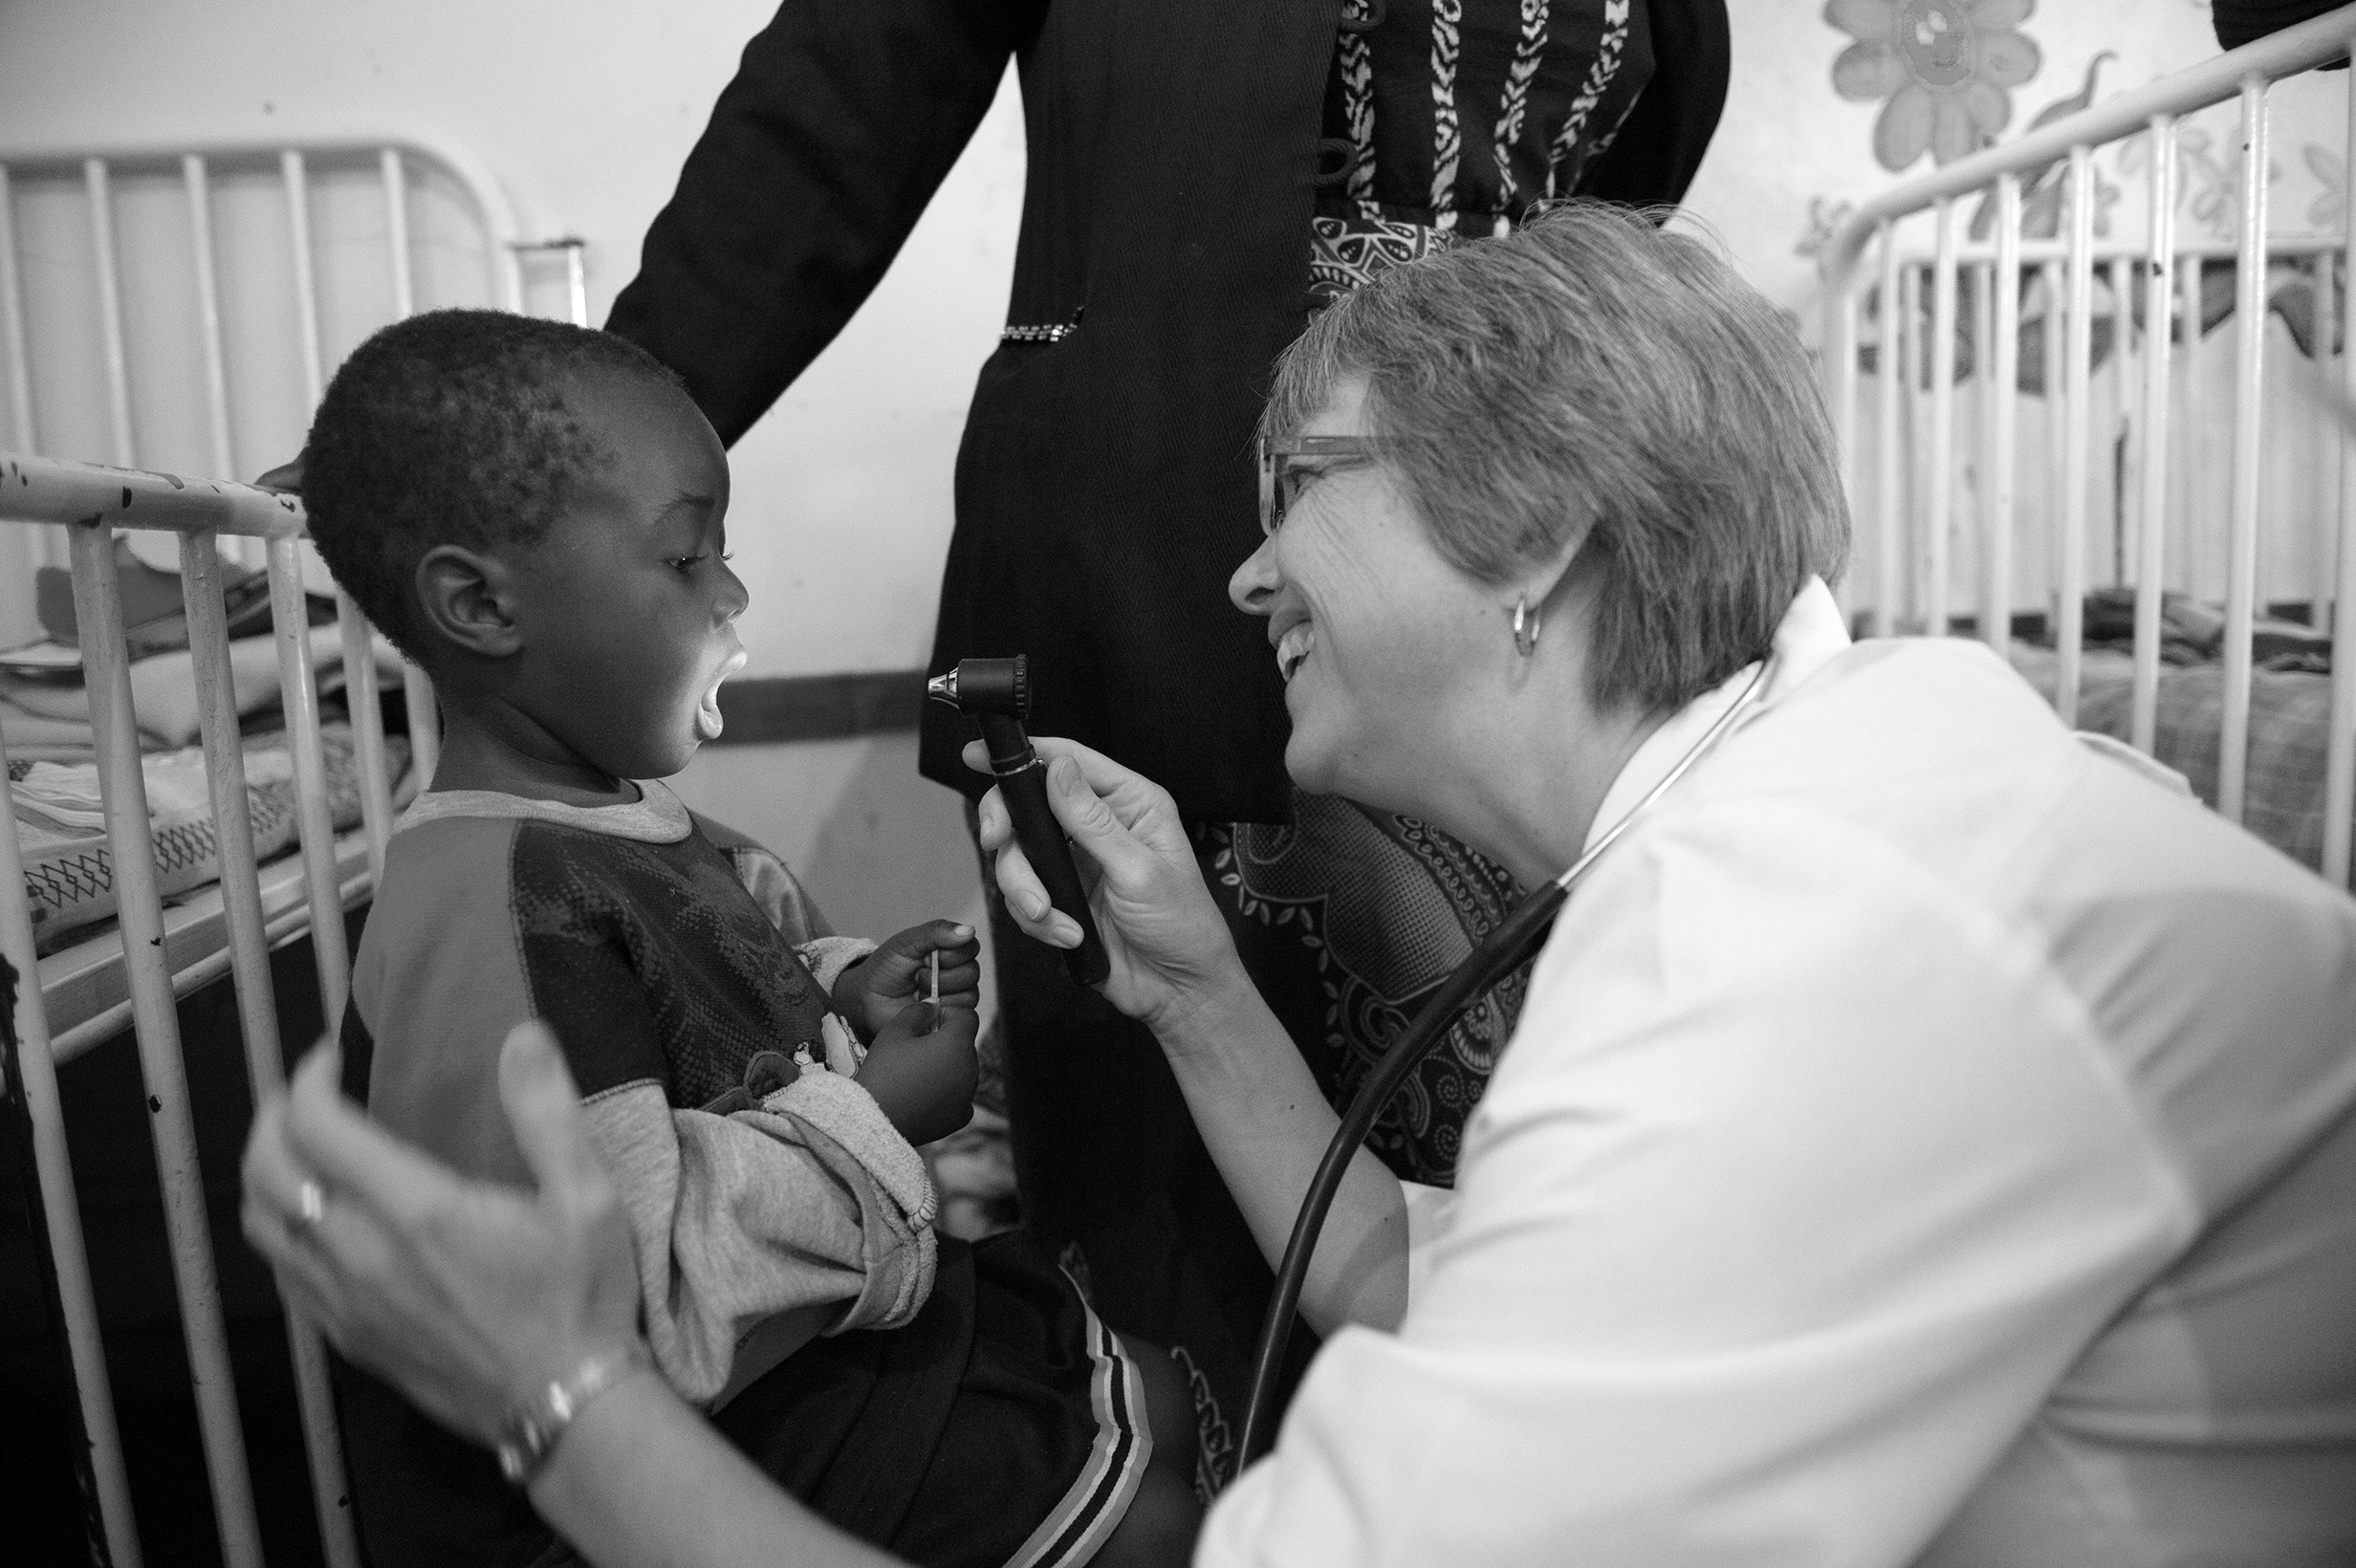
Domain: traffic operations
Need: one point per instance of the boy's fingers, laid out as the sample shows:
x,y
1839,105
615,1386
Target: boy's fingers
x,y
543,1107
917,1018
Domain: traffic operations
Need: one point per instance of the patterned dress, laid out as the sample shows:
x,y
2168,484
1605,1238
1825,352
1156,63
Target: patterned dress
x,y
1444,121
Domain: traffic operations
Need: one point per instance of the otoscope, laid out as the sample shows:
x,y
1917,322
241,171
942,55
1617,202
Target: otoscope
x,y
997,694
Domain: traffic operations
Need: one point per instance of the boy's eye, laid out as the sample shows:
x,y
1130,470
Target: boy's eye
x,y
689,563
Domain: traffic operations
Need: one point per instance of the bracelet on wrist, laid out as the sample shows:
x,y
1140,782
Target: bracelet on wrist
x,y
529,1433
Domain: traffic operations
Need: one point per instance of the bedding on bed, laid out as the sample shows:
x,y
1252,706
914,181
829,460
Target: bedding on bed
x,y
2290,719
61,829
47,719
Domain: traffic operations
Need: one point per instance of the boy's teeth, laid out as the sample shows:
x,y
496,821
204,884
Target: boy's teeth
x,y
1294,646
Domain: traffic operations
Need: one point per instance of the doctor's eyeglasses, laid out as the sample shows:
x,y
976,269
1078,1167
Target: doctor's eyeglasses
x,y
1286,465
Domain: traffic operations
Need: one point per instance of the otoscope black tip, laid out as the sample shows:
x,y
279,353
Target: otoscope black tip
x,y
986,686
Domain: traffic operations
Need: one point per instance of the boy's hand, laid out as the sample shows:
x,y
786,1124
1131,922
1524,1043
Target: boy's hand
x,y
921,1069
878,988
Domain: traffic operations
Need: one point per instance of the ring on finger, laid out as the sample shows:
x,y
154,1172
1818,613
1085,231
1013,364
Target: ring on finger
x,y
310,1204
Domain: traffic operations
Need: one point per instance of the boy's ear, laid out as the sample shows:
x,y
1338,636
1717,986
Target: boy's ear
x,y
464,596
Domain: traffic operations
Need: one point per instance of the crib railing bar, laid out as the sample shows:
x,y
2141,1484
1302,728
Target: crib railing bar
x,y
51,489
1839,363
359,671
2126,431
2317,41
1907,612
2106,250
1939,521
417,691
46,547
209,314
2078,403
2151,532
396,231
2249,391
123,793
364,701
15,350
196,176
1982,282
2056,411
2324,417
329,952
1889,376
225,774
61,1212
241,894
306,286
2004,403
2188,510
2339,743
110,312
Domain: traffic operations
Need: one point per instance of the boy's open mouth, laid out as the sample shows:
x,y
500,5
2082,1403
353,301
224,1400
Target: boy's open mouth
x,y
708,720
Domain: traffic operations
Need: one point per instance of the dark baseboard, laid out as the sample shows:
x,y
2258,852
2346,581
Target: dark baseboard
x,y
778,711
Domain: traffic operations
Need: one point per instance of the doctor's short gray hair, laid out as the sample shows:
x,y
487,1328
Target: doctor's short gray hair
x,y
1594,381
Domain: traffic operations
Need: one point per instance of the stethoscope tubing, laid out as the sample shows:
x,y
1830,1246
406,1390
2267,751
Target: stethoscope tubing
x,y
1514,941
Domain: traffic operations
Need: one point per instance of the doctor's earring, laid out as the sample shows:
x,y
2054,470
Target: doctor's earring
x,y
1525,627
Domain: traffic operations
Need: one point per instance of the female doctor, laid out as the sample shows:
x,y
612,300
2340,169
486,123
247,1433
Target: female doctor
x,y
1929,1138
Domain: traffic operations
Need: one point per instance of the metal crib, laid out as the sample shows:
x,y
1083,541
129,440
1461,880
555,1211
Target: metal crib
x,y
77,509
1911,500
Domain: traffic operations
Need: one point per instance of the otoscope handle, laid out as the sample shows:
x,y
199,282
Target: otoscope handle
x,y
1022,784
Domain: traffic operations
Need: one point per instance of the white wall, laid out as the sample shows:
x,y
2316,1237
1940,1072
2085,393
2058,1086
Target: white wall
x,y
583,110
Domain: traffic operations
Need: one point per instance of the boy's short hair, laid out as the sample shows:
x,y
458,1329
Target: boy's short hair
x,y
449,427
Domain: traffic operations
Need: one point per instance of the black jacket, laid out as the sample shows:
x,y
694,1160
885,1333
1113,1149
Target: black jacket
x,y
1104,489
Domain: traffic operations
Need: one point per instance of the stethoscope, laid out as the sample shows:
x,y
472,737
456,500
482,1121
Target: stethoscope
x,y
1494,956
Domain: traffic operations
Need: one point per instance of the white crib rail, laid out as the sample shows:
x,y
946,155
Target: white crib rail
x,y
2245,73
92,503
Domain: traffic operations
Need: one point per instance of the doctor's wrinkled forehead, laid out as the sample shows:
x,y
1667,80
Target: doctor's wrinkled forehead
x,y
453,427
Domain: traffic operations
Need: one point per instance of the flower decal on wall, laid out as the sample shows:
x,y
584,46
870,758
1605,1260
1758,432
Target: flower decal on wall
x,y
1945,67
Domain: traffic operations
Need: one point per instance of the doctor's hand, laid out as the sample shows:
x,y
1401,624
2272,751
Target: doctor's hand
x,y
464,1295
1171,951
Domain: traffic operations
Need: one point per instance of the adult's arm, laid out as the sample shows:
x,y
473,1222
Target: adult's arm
x,y
467,1295
841,123
1174,969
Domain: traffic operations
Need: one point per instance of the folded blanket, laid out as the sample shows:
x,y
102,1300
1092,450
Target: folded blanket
x,y
164,689
61,829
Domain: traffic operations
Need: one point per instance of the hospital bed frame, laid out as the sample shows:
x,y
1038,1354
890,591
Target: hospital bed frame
x,y
163,957
1912,543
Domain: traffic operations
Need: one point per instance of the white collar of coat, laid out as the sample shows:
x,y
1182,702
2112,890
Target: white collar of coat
x,y
1810,636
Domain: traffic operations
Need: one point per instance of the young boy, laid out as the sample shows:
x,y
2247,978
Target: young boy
x,y
536,513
